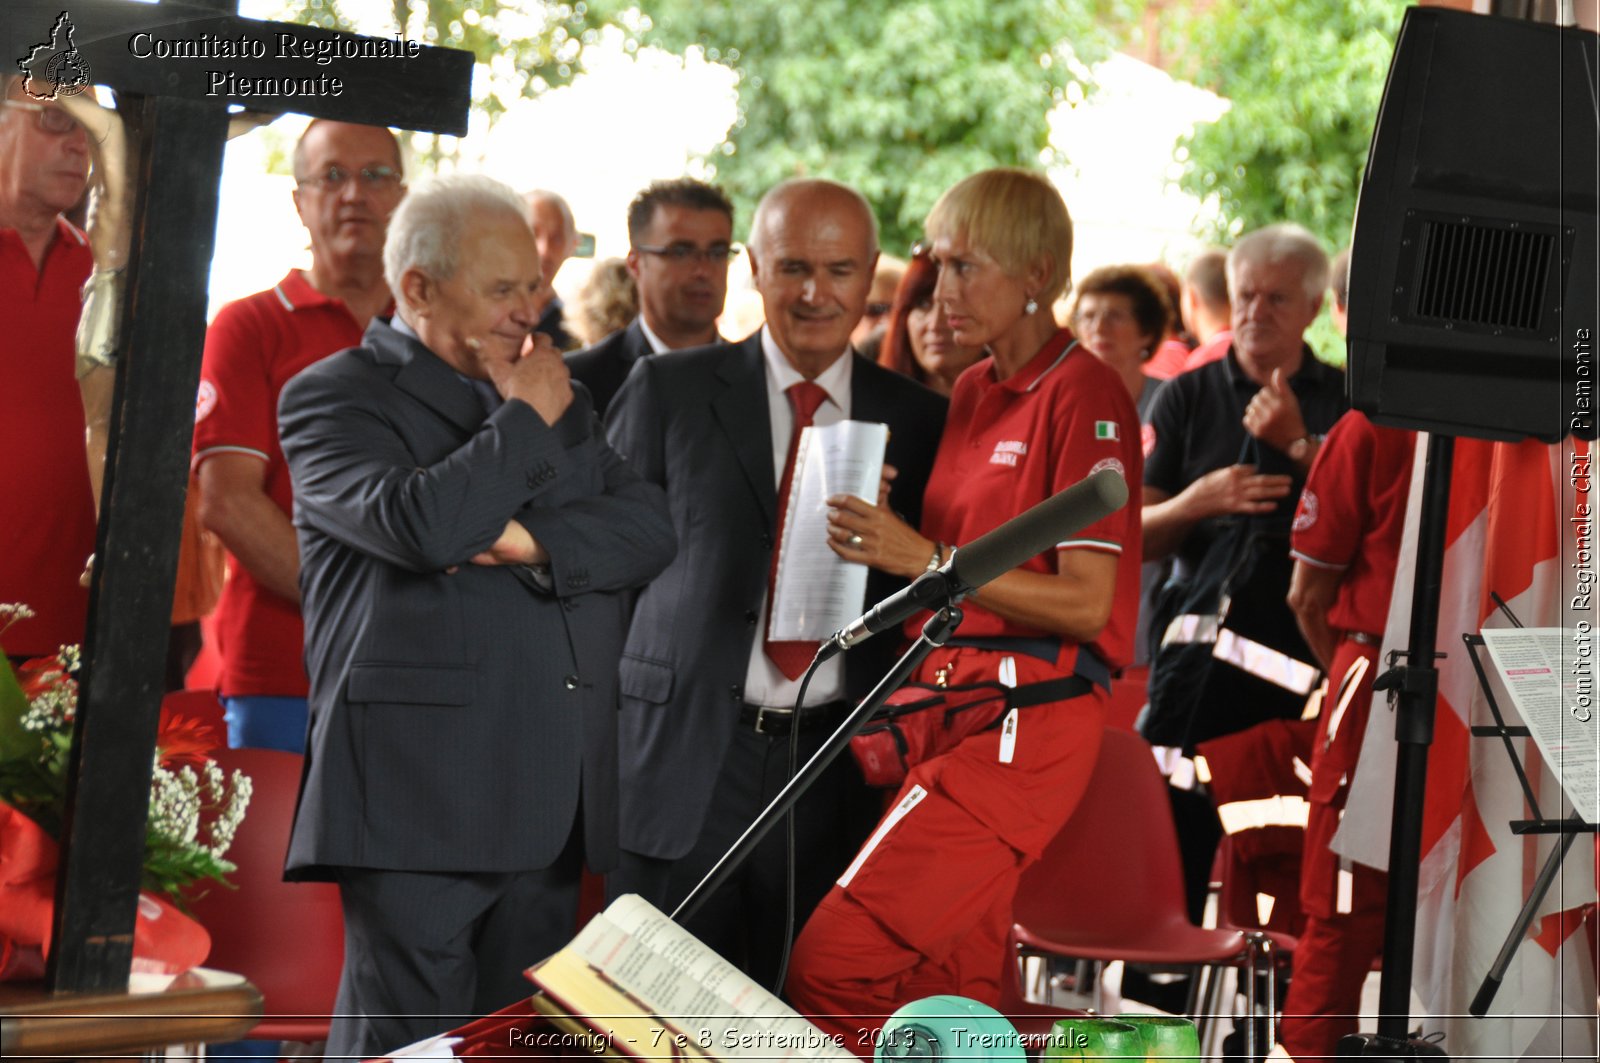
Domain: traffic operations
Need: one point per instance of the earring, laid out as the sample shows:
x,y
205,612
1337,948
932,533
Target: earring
x,y
1031,306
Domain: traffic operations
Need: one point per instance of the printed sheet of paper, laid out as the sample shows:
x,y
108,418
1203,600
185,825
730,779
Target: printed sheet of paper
x,y
703,996
817,591
1553,691
438,1046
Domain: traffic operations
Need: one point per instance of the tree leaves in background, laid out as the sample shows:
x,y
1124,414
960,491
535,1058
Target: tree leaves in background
x,y
1305,78
523,48
899,98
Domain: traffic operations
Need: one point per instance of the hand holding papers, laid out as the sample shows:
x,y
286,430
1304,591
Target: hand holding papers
x,y
817,591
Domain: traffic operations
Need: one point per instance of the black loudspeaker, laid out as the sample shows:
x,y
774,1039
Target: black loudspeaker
x,y
1473,265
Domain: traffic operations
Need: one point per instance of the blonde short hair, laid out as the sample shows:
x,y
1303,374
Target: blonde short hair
x,y
1015,215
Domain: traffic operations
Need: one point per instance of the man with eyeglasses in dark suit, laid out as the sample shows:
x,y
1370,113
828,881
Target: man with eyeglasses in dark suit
x,y
348,181
681,233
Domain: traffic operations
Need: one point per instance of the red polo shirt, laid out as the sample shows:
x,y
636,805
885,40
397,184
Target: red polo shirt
x,y
1168,359
1010,444
47,533
1209,351
252,349
1351,515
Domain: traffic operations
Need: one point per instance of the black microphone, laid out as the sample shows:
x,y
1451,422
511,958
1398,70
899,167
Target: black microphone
x,y
988,556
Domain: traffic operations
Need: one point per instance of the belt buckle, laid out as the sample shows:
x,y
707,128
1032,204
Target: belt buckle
x,y
763,712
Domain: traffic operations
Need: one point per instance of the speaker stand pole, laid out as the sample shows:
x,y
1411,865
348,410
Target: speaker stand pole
x,y
1418,684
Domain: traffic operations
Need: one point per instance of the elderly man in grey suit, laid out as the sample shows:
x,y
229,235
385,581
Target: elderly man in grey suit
x,y
707,700
467,540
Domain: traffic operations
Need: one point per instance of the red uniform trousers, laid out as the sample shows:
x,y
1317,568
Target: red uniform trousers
x,y
1335,951
925,909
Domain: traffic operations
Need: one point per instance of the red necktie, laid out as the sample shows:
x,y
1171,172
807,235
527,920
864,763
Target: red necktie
x,y
791,656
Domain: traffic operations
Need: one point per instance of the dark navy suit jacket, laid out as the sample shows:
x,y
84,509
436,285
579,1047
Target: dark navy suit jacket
x,y
455,707
603,367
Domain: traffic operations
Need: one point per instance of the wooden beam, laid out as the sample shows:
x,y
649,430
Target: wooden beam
x,y
130,603
409,86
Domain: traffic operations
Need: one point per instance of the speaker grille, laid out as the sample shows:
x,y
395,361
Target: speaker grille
x,y
1483,275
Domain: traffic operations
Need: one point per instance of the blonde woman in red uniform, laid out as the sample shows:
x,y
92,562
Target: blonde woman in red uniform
x,y
926,905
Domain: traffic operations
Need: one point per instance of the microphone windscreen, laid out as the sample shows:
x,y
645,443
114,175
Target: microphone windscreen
x,y
1052,521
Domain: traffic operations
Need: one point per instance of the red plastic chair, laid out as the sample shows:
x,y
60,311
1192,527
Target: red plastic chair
x,y
285,937
1110,886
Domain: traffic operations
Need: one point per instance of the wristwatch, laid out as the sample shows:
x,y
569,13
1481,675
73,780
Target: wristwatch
x,y
1301,450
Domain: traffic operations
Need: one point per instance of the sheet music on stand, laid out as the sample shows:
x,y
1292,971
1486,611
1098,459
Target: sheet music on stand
x,y
1556,703
817,591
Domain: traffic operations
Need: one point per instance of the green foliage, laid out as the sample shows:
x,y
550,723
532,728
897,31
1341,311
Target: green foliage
x,y
899,98
522,49
1305,78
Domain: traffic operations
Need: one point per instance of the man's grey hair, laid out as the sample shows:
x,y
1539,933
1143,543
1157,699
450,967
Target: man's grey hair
x,y
782,188
1277,243
569,224
426,229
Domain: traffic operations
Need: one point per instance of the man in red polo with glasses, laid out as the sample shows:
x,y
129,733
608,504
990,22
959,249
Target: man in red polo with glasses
x,y
347,183
48,532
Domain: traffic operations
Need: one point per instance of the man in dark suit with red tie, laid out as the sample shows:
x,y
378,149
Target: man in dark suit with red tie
x,y
680,234
707,701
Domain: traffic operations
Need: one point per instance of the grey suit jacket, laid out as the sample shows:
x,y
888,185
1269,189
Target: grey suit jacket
x,y
697,424
603,367
455,707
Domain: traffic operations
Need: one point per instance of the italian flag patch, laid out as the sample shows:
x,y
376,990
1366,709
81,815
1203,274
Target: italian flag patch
x,y
1106,430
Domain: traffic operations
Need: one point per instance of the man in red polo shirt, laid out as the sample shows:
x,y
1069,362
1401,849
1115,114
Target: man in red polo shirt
x,y
48,533
1346,545
348,183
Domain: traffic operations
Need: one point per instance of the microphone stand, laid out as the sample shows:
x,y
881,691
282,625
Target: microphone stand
x,y
935,633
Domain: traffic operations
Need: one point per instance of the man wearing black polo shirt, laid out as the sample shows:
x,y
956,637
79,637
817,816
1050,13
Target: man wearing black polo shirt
x,y
1269,387
1234,440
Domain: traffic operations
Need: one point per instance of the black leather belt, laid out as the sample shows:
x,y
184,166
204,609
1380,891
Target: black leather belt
x,y
771,720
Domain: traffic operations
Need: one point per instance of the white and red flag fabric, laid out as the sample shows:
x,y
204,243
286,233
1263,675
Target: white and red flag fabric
x,y
1521,525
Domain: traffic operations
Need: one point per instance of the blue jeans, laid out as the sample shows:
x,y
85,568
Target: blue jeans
x,y
262,722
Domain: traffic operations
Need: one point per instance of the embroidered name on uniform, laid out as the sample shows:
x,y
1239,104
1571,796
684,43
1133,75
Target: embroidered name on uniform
x,y
1008,452
1113,464
1106,430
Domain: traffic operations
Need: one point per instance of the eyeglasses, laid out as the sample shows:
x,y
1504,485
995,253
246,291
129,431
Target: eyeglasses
x,y
373,179
49,119
876,309
681,253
